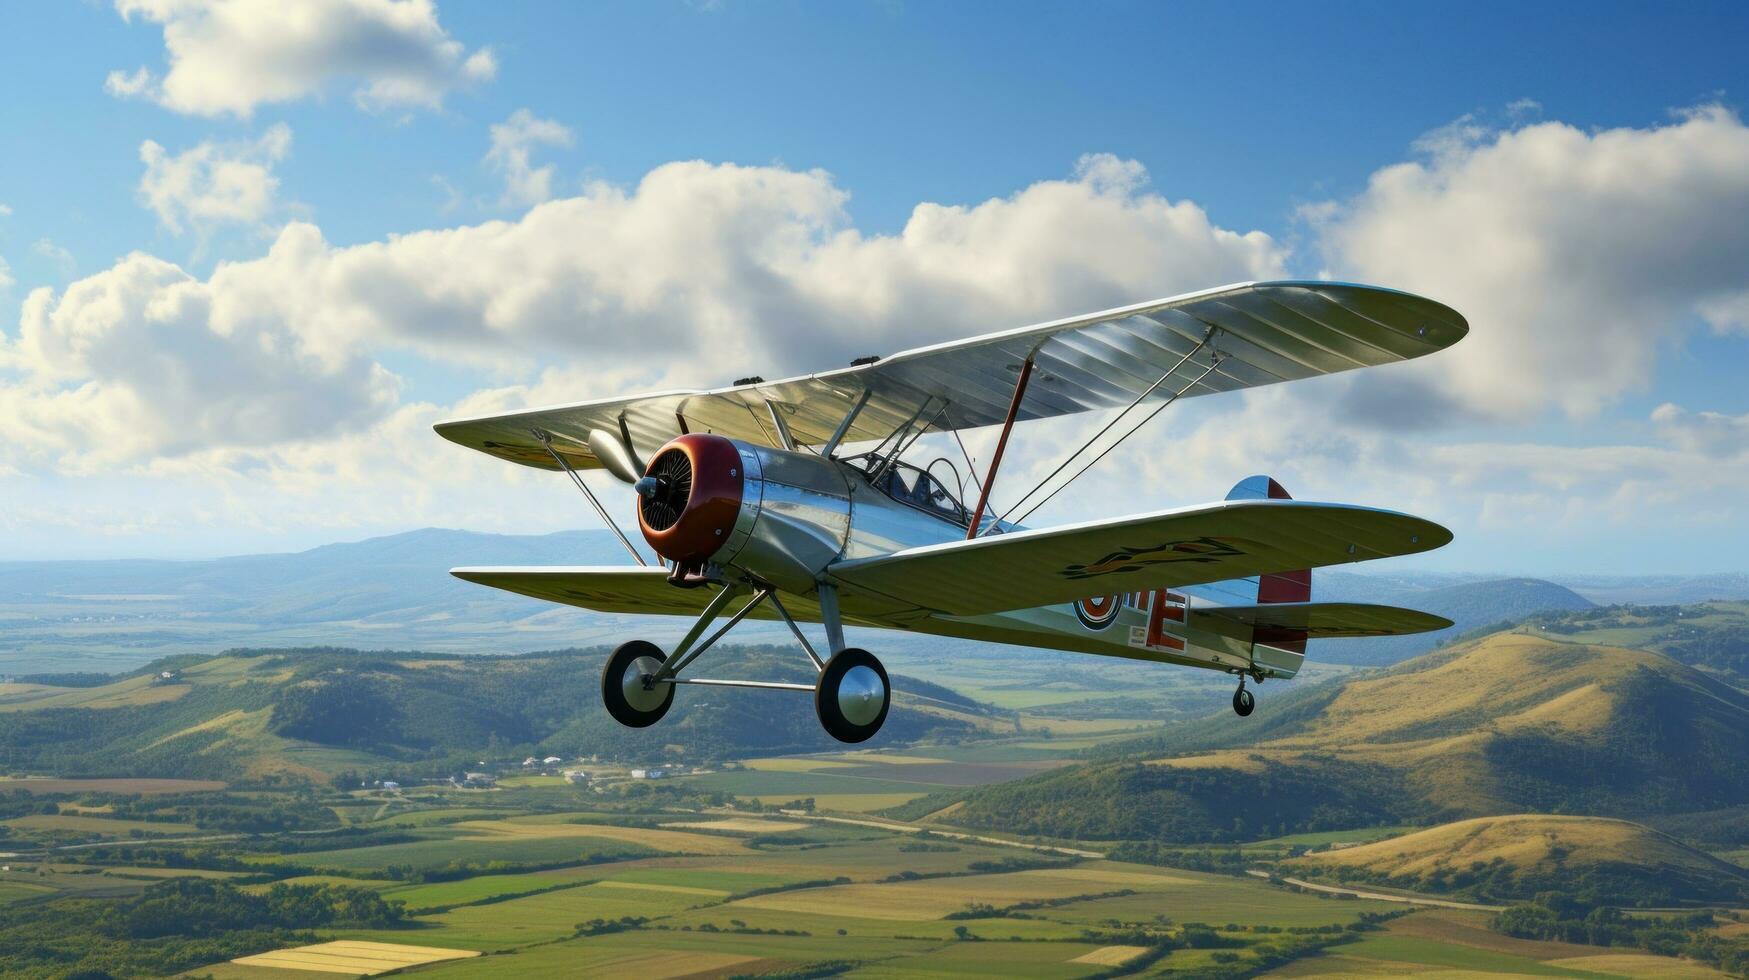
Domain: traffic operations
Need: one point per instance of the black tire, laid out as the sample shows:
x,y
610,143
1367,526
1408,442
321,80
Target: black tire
x,y
1243,702
847,710
622,691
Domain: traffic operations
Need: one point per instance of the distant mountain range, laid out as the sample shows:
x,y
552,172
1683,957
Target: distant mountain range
x,y
1470,605
395,592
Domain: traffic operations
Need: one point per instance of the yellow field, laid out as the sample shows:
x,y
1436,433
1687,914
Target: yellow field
x,y
1637,965
794,765
353,957
748,825
675,841
889,759
1111,955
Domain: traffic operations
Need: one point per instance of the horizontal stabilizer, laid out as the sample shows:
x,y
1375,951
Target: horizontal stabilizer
x,y
1322,620
1168,549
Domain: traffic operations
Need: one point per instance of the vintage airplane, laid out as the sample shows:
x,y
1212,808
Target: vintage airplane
x,y
750,490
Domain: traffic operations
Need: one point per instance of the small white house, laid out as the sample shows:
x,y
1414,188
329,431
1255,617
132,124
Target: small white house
x,y
530,761
551,760
651,773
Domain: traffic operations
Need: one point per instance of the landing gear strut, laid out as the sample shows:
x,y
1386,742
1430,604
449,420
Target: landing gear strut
x,y
851,692
1243,700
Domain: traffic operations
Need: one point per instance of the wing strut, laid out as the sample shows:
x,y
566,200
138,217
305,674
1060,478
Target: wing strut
x,y
1001,444
546,441
1214,362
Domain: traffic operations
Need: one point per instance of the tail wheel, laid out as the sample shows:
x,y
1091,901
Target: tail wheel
x,y
623,689
852,696
1243,702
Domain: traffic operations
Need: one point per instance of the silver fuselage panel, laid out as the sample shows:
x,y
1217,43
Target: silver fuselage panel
x,y
802,512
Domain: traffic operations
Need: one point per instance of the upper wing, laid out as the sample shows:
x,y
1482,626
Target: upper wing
x,y
1188,546
1327,619
1268,332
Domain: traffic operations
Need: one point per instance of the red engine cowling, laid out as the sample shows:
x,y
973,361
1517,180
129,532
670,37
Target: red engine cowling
x,y
690,497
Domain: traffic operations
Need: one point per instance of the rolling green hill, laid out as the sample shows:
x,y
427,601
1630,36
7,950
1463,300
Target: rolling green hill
x,y
1515,857
308,714
1504,724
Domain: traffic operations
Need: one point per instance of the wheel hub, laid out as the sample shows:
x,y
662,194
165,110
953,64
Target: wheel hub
x,y
639,696
861,695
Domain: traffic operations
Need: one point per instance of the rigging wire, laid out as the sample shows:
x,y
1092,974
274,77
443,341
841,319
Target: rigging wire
x,y
1214,362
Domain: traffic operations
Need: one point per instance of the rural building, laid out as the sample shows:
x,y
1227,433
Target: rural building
x,y
576,776
654,772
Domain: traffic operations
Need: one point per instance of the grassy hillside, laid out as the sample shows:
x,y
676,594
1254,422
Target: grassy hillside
x,y
308,714
1515,857
1504,724
1710,636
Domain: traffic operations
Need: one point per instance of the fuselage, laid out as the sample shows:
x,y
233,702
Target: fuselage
x,y
802,512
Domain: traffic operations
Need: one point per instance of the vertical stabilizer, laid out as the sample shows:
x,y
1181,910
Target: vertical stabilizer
x,y
1281,586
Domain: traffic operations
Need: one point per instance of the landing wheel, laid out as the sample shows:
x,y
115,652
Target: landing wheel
x,y
1243,701
622,685
852,695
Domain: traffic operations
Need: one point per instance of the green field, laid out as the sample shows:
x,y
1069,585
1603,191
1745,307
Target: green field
x,y
1425,952
438,853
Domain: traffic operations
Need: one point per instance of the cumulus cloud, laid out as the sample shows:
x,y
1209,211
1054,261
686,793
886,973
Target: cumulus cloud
x,y
513,140
143,361
230,56
1574,254
213,183
756,264
6,279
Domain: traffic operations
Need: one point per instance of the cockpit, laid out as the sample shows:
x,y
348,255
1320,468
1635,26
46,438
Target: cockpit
x,y
925,489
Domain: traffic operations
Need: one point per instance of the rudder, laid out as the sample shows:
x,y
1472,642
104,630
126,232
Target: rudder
x,y
1293,586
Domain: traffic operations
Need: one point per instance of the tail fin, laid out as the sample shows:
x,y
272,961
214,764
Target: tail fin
x,y
1279,586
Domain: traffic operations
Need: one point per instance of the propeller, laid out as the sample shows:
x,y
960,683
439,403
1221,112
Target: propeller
x,y
614,455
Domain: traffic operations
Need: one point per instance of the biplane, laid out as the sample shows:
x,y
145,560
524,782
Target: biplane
x,y
795,500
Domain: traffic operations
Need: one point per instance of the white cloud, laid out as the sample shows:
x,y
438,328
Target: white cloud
x,y
230,56
755,264
1709,433
6,279
213,183
512,142
5,210
62,259
129,85
133,363
1573,254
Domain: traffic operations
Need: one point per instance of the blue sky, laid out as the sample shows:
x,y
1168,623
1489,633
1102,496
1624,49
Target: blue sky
x,y
1600,140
